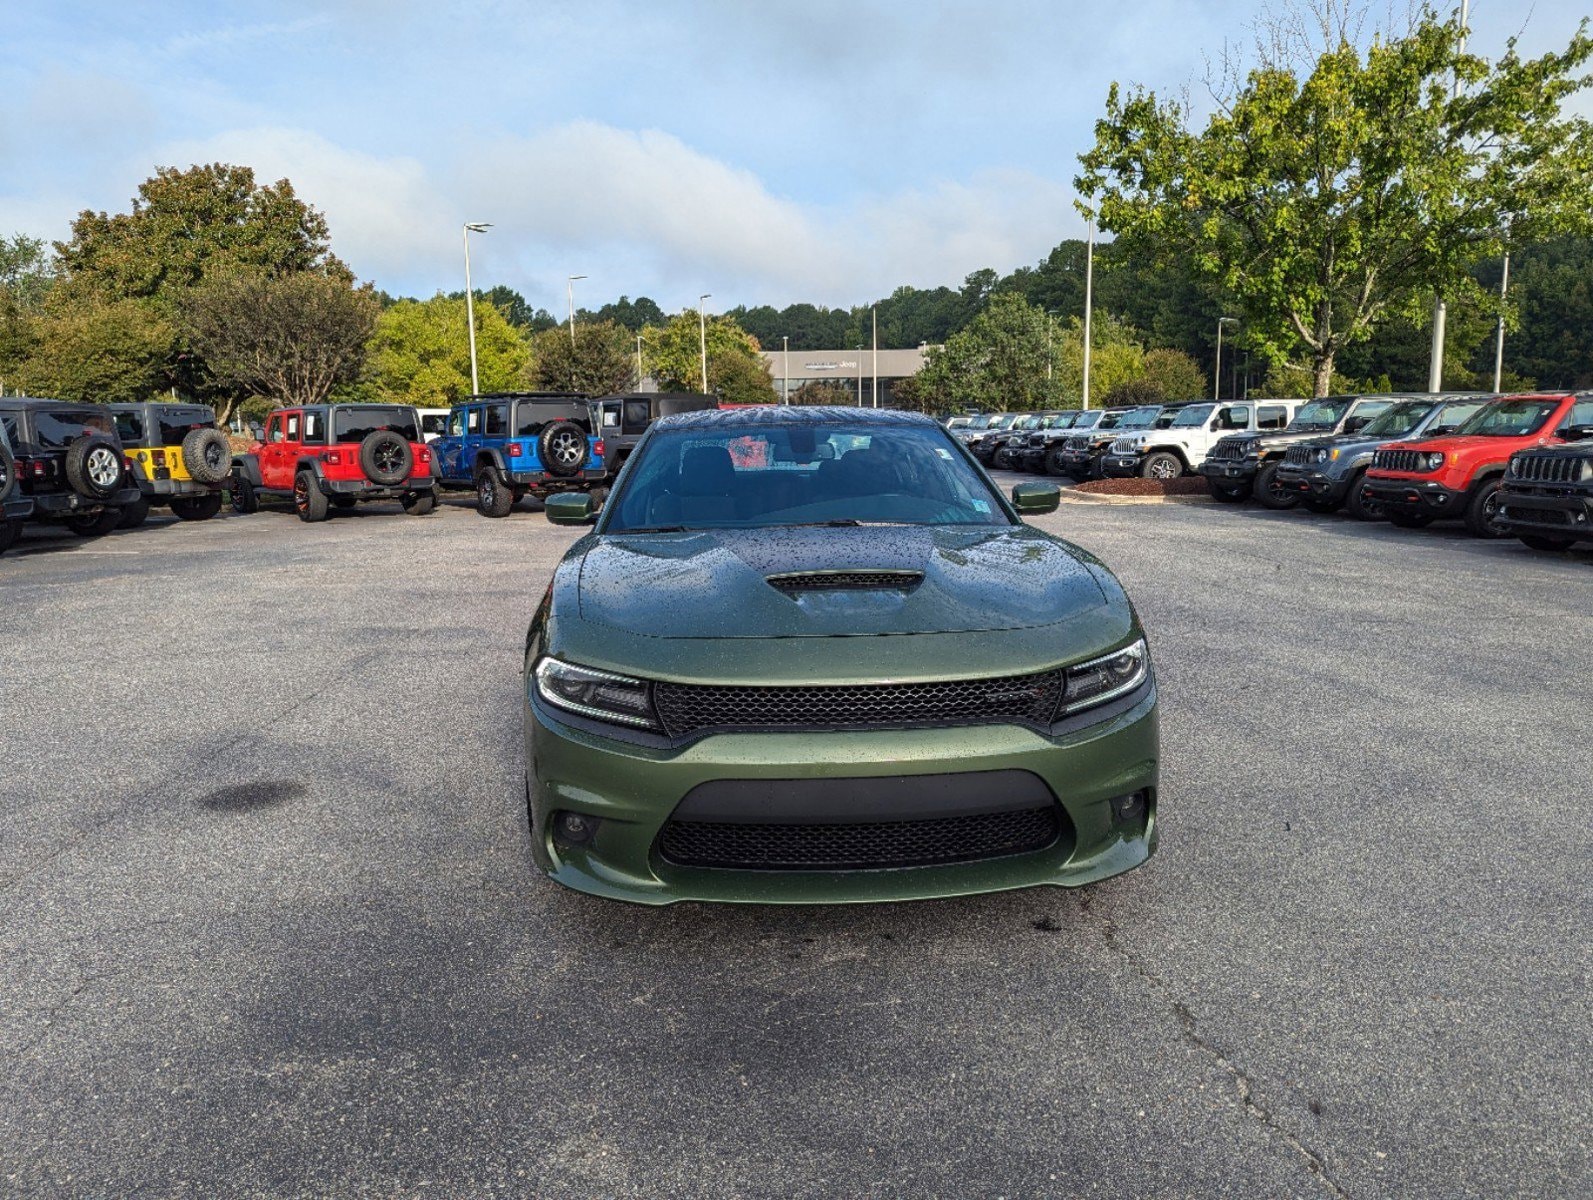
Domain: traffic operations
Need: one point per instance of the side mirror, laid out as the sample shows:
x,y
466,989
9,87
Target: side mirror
x,y
1356,424
1031,499
1576,433
569,508
1441,431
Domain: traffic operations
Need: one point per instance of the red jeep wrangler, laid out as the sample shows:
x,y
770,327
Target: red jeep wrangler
x,y
1459,475
334,455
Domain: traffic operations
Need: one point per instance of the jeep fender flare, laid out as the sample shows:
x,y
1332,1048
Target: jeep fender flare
x,y
311,464
247,467
1172,448
489,458
1486,474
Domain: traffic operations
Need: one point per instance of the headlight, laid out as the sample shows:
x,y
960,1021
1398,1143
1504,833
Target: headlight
x,y
1105,678
1322,455
1433,460
596,694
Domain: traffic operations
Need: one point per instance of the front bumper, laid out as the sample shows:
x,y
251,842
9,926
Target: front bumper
x,y
1120,466
1425,496
1034,459
1309,481
1076,462
1563,513
632,790
69,504
1231,470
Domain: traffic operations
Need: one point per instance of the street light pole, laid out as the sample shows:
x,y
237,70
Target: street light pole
x,y
1498,343
1435,361
785,370
702,336
570,289
874,360
470,305
1216,367
1089,303
860,377
639,371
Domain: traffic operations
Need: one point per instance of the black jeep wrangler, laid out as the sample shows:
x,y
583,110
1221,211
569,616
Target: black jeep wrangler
x,y
623,418
15,508
69,464
179,458
1547,497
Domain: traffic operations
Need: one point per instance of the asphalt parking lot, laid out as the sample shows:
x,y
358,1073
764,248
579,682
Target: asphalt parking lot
x,y
268,925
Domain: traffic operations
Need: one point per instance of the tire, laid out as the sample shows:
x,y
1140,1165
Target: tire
x,y
386,458
309,501
208,456
1362,507
94,467
8,472
1159,464
98,524
1322,507
10,531
134,514
1409,520
196,508
419,504
1551,545
245,499
1482,509
1053,464
1268,495
562,446
1228,493
494,498
1097,468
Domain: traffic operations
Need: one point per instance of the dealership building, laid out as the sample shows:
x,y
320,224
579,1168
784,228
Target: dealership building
x,y
845,369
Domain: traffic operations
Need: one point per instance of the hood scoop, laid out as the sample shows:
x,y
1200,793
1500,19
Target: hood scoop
x,y
798,583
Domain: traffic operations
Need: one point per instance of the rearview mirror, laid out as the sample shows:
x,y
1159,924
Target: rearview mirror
x,y
1031,499
569,508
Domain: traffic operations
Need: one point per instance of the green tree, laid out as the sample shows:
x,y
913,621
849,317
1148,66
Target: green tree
x,y
1175,374
420,352
97,351
289,338
736,370
997,362
27,272
601,361
822,392
1321,204
1116,357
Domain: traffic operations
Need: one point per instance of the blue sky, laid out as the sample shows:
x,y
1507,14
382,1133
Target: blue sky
x,y
766,152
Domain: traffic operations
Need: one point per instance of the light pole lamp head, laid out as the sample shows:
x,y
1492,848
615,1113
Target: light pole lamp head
x,y
573,278
478,226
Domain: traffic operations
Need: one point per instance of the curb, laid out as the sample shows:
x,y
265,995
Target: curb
x,y
1071,497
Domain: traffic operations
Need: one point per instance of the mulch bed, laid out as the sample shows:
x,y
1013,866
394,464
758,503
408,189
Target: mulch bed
x,y
1186,486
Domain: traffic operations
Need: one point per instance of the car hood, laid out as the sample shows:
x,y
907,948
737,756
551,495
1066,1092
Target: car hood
x,y
1459,445
714,583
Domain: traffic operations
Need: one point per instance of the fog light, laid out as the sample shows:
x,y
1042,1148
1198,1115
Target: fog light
x,y
1128,810
573,829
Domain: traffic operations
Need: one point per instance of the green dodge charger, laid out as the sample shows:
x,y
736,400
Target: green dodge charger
x,y
812,655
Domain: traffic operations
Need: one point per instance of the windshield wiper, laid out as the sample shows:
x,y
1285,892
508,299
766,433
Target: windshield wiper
x,y
654,529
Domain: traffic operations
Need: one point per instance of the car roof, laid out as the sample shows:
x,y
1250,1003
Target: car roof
x,y
35,403
570,397
767,416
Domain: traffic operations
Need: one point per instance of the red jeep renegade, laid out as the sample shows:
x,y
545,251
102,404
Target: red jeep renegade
x,y
335,455
1458,476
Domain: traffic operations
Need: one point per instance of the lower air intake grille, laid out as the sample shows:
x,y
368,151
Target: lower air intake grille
x,y
835,581
692,708
844,847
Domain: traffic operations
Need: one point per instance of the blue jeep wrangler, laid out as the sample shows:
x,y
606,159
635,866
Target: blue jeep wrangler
x,y
507,445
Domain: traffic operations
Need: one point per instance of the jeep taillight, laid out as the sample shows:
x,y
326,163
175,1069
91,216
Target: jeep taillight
x,y
40,468
423,455
158,457
514,449
597,447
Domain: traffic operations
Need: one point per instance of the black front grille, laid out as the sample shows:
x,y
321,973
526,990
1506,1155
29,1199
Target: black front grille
x,y
1547,468
862,846
1537,516
1299,455
1228,449
836,581
1077,443
691,708
1399,460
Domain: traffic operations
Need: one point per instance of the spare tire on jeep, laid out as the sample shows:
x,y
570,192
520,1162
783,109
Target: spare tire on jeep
x,y
208,455
386,458
94,466
8,473
562,445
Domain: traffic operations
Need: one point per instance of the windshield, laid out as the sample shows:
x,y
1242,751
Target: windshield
x,y
1029,423
58,429
1509,418
1140,418
356,423
856,473
1060,421
1319,416
982,421
1193,417
1397,421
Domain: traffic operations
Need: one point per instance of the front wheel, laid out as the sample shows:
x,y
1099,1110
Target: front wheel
x,y
1270,494
196,508
1553,545
419,504
1161,465
1362,507
1482,510
245,499
309,501
95,524
134,514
